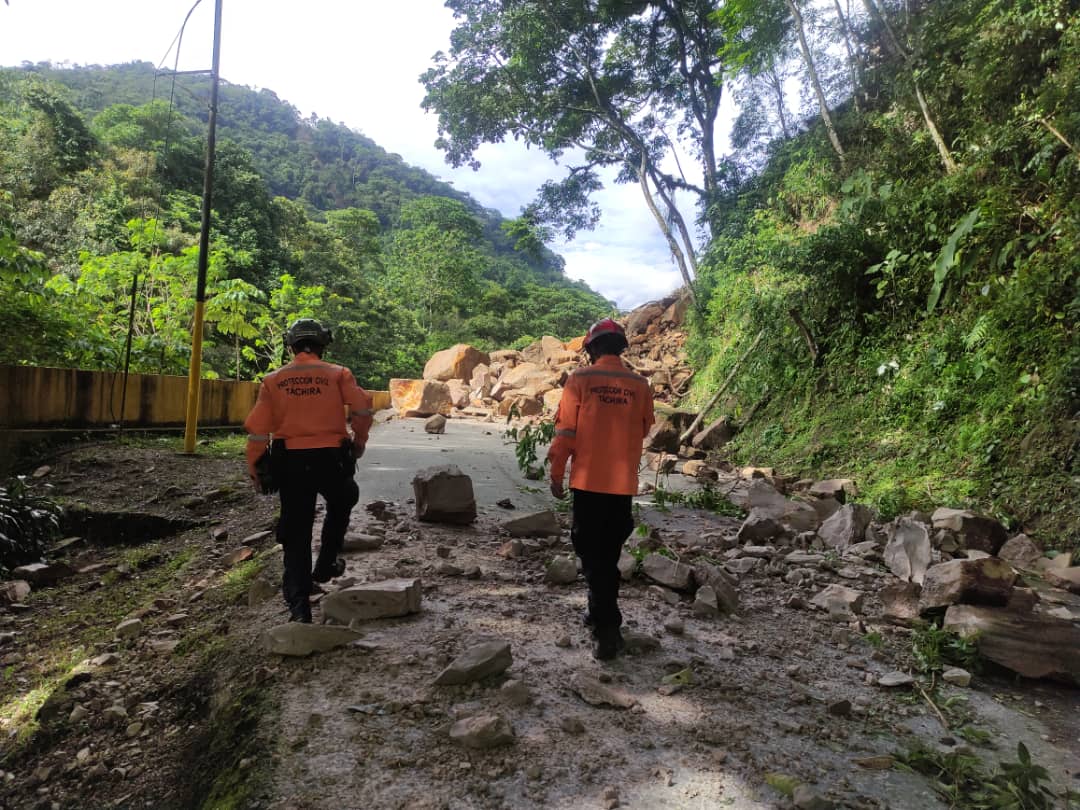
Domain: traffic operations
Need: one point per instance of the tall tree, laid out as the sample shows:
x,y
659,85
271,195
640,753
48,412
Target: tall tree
x,y
618,85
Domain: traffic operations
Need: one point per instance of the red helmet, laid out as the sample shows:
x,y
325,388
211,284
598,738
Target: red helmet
x,y
604,327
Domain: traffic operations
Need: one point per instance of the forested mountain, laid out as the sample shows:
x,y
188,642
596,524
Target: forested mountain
x,y
101,172
898,219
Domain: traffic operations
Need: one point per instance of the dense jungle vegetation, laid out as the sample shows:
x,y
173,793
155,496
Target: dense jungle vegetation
x,y
898,217
100,183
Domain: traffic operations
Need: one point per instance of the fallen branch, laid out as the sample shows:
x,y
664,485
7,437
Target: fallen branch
x,y
1054,131
811,344
720,392
933,706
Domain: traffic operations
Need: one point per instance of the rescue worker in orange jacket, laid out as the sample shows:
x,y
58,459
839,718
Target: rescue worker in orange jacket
x,y
302,408
605,412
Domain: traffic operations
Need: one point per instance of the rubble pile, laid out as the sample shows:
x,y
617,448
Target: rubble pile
x,y
464,381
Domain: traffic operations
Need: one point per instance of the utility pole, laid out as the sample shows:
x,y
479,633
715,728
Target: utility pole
x,y
195,368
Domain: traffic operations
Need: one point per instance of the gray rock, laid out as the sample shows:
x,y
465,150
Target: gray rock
x,y
973,531
444,495
374,600
535,524
638,642
78,714
722,584
256,539
435,424
476,663
482,731
893,679
706,604
595,693
668,572
572,725
515,693
298,639
674,625
846,526
759,526
362,542
743,565
907,554
715,436
15,591
129,628
804,558
260,591
627,566
806,798
900,602
43,573
561,571
1020,551
850,598
956,676
838,488
987,581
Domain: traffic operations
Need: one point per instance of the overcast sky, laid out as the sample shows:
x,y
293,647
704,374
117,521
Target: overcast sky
x,y
356,62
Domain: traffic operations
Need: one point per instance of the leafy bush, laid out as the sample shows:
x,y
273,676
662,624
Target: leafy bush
x,y
28,522
527,439
935,648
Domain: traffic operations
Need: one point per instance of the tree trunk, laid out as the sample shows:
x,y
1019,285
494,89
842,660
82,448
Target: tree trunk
x,y
673,244
853,63
778,90
935,136
814,80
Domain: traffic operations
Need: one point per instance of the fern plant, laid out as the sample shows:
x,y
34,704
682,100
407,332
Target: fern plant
x,y
28,522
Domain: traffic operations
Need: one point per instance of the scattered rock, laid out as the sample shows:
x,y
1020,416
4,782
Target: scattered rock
x,y
595,693
444,495
845,526
572,725
360,541
456,363
476,663
1021,551
907,554
256,539
535,524
1067,578
419,397
849,598
759,526
668,572
298,639
706,604
129,628
900,602
482,731
435,424
43,574
238,555
956,676
375,600
561,571
515,692
14,591
627,566
987,582
674,625
972,531
893,679
838,488
260,591
806,798
638,642
1030,645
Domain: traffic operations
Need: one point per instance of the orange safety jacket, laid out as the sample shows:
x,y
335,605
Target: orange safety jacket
x,y
304,403
604,415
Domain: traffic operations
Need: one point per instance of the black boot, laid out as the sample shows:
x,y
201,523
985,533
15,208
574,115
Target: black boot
x,y
609,642
335,569
300,612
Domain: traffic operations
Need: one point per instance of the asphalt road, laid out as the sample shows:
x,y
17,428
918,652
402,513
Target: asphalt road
x,y
397,450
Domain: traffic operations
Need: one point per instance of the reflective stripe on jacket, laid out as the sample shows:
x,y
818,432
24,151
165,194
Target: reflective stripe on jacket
x,y
604,415
305,404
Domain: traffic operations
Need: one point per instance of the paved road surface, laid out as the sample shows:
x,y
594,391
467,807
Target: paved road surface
x,y
398,449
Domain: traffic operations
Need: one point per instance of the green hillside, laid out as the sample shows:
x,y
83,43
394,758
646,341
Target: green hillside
x,y
101,179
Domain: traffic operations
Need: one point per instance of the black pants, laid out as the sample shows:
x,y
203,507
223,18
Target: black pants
x,y
304,475
602,523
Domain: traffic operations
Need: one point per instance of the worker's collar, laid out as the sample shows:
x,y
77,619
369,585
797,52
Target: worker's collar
x,y
305,357
612,360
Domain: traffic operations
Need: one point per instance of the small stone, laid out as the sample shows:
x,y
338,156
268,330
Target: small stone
x,y
78,714
435,424
482,731
675,626
134,729
956,676
129,628
480,661
115,712
260,591
572,725
515,693
562,641
840,708
561,571
806,798
896,679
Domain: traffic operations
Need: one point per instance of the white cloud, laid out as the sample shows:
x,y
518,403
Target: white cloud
x,y
357,63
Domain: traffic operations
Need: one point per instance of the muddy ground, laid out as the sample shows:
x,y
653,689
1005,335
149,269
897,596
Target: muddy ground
x,y
776,696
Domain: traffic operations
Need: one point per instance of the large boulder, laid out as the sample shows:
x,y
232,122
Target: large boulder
x,y
480,383
1030,645
900,602
973,531
477,663
455,363
716,435
638,321
298,639
534,524
670,424
1020,551
987,581
668,572
373,600
444,495
839,488
846,526
524,375
763,497
907,554
40,574
552,349
420,397
460,394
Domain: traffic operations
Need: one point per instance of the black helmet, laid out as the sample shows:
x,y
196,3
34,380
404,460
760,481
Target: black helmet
x,y
308,329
